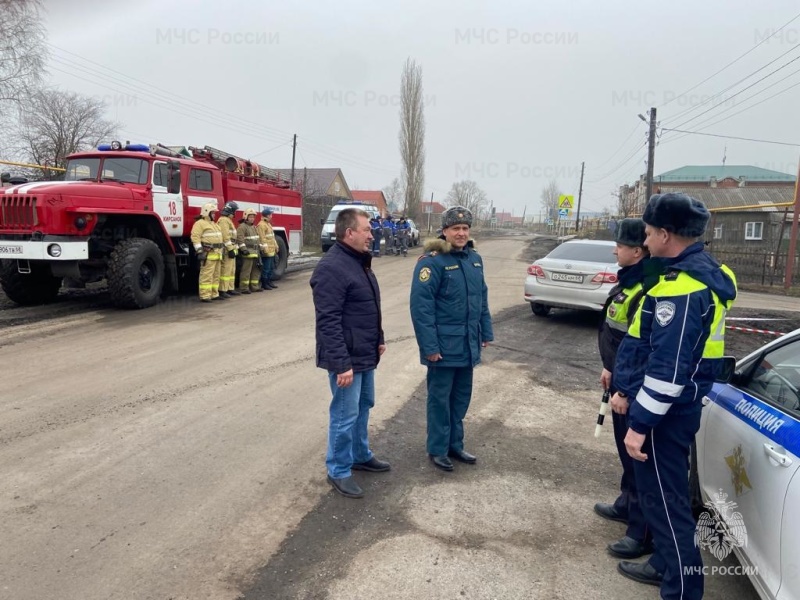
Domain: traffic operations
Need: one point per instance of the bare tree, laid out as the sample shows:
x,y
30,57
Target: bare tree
x,y
627,200
395,195
412,137
467,194
22,50
550,194
54,124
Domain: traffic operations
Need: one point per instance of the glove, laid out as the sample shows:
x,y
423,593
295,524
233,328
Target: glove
x,y
201,257
231,253
244,253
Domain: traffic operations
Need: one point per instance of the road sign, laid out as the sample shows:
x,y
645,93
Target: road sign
x,y
563,212
565,201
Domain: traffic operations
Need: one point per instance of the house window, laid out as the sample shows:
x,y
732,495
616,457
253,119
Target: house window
x,y
200,180
753,230
336,186
718,232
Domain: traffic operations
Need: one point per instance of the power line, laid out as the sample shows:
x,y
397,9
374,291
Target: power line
x,y
735,60
733,85
625,162
740,91
731,137
608,160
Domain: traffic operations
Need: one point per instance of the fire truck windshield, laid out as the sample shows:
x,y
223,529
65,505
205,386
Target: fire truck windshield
x,y
126,170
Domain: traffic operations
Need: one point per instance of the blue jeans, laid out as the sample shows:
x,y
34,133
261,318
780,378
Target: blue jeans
x,y
349,417
267,263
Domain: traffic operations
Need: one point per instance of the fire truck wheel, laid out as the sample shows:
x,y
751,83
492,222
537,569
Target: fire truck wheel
x,y
135,273
29,289
282,259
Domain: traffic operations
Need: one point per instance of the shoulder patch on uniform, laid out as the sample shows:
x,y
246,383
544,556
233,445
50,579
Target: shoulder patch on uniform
x,y
424,274
671,276
612,310
477,264
451,267
665,311
620,298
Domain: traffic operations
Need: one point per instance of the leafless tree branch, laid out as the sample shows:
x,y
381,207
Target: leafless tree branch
x,y
412,137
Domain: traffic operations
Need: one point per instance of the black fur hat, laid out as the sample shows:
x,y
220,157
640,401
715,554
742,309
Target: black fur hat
x,y
678,213
456,215
630,232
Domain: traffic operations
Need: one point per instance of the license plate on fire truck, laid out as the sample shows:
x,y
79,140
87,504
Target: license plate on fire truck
x,y
10,249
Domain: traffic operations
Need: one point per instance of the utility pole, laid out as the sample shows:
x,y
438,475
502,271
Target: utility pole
x,y
294,150
580,193
787,279
651,154
430,210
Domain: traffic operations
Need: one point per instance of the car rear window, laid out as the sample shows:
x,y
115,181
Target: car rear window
x,y
588,252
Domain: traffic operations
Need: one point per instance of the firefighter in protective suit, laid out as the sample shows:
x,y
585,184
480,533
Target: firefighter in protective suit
x,y
269,249
207,241
250,250
227,278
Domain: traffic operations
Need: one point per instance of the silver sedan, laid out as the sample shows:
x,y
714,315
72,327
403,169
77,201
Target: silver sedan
x,y
577,274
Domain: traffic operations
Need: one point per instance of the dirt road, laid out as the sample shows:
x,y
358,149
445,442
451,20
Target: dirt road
x,y
178,453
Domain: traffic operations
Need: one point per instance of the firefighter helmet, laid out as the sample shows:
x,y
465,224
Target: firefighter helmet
x,y
247,212
208,208
229,209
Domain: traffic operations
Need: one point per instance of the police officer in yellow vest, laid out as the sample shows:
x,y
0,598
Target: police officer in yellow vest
x,y
665,365
269,249
250,250
227,278
623,300
207,240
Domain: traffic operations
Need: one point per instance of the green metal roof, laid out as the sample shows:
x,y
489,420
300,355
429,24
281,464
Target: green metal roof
x,y
696,173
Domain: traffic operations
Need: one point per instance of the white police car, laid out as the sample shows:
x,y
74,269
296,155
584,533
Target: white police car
x,y
748,455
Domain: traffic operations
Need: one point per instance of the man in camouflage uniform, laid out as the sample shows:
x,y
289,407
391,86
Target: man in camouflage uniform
x,y
269,249
227,278
207,240
249,248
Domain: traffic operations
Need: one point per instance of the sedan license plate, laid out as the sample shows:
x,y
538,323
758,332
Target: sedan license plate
x,y
570,277
6,249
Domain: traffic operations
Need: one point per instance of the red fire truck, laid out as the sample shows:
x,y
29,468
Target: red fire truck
x,y
124,213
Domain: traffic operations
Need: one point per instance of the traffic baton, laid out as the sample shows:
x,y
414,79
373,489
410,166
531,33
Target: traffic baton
x,y
601,415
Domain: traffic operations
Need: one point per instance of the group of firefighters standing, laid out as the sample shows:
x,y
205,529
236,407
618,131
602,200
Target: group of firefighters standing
x,y
218,242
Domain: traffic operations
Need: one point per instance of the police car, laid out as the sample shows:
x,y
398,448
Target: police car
x,y
746,468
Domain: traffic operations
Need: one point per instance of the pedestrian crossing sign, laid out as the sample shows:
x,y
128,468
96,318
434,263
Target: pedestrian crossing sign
x,y
565,201
563,212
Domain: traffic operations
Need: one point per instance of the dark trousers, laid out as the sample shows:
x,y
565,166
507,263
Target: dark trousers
x,y
664,496
449,394
628,501
267,264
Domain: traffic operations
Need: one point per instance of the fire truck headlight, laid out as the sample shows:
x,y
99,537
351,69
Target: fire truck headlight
x,y
54,250
80,223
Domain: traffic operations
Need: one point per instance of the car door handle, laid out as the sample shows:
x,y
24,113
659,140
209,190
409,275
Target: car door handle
x,y
781,458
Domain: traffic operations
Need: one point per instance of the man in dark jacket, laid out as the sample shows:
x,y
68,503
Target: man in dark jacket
x,y
350,342
450,312
623,300
665,365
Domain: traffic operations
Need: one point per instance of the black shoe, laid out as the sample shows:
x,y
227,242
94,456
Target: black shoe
x,y
206,300
257,290
222,296
373,464
441,462
245,292
610,512
641,572
629,548
347,487
462,456
234,293
272,286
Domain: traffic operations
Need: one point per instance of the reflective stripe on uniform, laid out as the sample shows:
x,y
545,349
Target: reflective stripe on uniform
x,y
652,405
663,387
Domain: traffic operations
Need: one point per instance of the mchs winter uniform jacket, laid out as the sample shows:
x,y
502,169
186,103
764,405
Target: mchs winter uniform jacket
x,y
449,305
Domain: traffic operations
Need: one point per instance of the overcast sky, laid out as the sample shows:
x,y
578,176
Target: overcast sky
x,y
517,93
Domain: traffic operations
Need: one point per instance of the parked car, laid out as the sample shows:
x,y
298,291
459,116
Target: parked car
x,y
576,274
328,236
414,233
745,467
